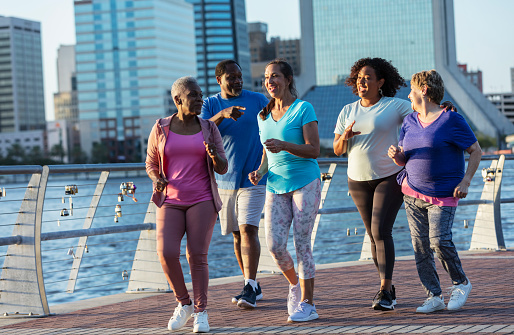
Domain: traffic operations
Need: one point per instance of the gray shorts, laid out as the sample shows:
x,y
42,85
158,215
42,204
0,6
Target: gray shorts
x,y
242,206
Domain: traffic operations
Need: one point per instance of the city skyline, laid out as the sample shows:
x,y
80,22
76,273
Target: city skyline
x,y
479,27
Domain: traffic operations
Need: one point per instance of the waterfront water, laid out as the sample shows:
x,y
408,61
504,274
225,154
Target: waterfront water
x,y
109,255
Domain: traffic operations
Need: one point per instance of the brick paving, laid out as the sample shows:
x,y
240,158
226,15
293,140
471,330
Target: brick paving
x,y
342,295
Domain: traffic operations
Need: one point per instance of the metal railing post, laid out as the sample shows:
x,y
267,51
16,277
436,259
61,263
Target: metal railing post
x,y
324,192
22,288
488,232
77,259
147,275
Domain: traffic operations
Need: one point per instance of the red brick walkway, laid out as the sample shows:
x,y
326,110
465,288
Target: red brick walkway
x,y
342,295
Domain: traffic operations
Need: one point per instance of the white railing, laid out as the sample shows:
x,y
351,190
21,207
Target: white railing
x,y
50,205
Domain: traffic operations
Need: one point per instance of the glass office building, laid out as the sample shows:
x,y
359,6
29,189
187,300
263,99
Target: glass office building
x,y
347,30
221,33
128,54
414,35
22,103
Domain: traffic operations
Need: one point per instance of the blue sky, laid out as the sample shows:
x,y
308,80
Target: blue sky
x,y
483,34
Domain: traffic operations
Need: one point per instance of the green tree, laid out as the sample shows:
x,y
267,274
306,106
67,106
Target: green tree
x,y
78,156
99,153
16,154
36,156
57,153
487,142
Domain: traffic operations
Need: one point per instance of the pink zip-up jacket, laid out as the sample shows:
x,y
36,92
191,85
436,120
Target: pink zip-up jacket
x,y
155,155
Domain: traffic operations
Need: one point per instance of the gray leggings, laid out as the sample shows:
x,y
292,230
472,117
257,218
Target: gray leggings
x,y
431,231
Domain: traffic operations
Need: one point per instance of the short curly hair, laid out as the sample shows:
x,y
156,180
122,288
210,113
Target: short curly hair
x,y
434,83
383,70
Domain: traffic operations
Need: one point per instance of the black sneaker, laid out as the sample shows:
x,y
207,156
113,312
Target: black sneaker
x,y
248,299
258,293
383,301
237,297
376,300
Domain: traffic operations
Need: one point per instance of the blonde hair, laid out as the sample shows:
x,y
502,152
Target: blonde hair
x,y
434,83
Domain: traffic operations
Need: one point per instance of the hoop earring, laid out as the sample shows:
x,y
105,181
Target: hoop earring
x,y
380,92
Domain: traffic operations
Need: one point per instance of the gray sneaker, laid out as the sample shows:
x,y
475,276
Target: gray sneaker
x,y
303,312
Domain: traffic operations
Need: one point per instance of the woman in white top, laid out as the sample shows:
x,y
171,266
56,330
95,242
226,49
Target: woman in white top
x,y
376,118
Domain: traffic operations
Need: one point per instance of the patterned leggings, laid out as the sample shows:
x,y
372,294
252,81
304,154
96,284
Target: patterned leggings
x,y
299,207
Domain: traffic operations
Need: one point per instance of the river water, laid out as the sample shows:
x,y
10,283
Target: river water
x,y
109,255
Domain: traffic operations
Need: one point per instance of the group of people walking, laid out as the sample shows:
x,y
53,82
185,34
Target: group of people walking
x,y
237,152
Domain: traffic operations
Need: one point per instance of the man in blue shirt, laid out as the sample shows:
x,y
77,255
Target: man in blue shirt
x,y
234,111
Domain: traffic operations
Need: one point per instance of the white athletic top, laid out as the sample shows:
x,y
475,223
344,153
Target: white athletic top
x,y
379,126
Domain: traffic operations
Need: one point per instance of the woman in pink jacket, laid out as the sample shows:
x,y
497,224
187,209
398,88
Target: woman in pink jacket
x,y
183,153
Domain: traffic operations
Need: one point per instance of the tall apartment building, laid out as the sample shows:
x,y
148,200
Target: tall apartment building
x,y
221,33
262,51
128,54
414,35
22,103
504,102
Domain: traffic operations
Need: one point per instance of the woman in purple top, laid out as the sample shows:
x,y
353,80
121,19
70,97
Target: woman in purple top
x,y
431,147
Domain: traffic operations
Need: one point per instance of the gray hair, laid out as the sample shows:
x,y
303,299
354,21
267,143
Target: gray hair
x,y
180,85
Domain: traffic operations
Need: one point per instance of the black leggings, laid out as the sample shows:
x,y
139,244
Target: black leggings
x,y
378,202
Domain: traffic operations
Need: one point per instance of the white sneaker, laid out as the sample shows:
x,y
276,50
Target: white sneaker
x,y
432,304
201,323
458,295
294,297
304,312
180,316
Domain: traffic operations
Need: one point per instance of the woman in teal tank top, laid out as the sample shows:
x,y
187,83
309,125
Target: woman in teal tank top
x,y
288,129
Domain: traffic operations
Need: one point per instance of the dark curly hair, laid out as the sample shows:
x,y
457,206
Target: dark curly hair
x,y
383,70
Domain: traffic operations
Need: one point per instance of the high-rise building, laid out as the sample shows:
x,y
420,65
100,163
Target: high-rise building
x,y
64,131
128,54
262,51
221,33
414,35
475,77
504,102
22,103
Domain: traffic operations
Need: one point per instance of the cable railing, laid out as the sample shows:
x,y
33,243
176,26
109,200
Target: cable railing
x,y
78,222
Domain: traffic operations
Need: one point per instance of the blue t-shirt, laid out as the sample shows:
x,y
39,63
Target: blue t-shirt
x,y
435,154
287,172
240,138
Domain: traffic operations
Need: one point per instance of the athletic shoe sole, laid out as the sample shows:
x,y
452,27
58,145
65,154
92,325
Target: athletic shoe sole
x,y
235,299
245,304
312,316
379,307
431,311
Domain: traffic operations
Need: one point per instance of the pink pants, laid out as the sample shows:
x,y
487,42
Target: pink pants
x,y
197,222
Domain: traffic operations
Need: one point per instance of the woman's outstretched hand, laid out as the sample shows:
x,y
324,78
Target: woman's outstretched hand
x,y
349,133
